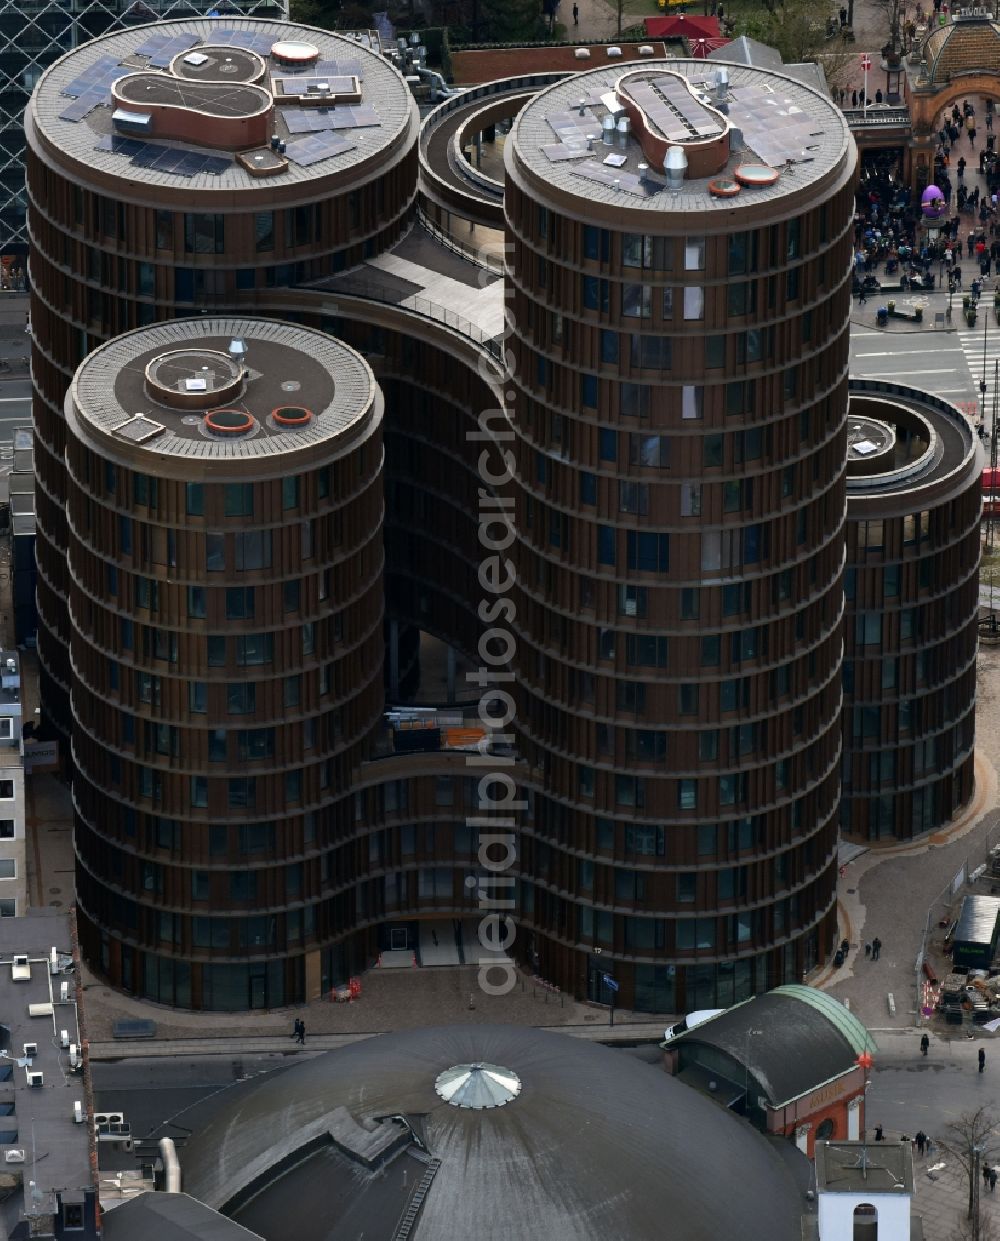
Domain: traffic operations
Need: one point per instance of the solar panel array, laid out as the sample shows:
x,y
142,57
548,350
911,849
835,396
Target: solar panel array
x,y
259,43
672,108
97,78
627,181
313,120
320,146
167,48
179,161
337,85
776,129
572,130
82,105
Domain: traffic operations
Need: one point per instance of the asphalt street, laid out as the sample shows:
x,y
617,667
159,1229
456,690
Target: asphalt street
x,y
934,360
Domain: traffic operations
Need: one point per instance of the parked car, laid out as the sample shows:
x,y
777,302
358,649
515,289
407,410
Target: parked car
x,y
690,1021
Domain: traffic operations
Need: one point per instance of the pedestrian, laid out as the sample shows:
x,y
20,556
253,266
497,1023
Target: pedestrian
x,y
843,15
921,1140
300,1033
930,1147
982,1059
989,119
986,1173
925,1043
993,1179
295,1028
878,96
879,1135
854,98
876,948
862,295
868,951
576,15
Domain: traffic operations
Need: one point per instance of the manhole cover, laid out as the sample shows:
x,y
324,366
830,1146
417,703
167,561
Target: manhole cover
x,y
851,891
56,904
55,891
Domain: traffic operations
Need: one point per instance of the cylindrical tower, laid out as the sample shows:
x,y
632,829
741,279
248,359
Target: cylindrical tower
x,y
224,517
679,296
288,154
914,498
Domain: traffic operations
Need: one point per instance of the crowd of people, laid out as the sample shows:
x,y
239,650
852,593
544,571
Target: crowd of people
x,y
890,231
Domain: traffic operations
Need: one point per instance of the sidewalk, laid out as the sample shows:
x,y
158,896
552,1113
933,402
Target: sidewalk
x,y
887,892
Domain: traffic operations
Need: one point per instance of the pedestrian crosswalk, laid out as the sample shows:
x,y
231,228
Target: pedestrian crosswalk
x,y
981,347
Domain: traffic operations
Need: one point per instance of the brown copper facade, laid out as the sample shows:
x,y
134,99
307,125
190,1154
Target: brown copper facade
x,y
226,648
679,395
115,251
911,633
676,411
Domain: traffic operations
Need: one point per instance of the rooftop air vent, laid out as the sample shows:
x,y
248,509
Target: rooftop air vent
x,y
722,84
292,416
229,422
582,53
608,131
624,129
646,50
675,166
614,51
477,1086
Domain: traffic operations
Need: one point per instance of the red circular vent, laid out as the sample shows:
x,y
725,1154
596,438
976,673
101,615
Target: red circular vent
x,y
291,415
229,421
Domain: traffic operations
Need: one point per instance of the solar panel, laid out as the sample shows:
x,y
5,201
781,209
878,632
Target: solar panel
x,y
339,85
320,146
259,43
670,106
81,106
773,127
173,47
151,155
152,44
628,182
98,76
558,152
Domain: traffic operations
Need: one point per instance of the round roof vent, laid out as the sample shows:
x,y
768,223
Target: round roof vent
x,y
291,52
291,415
477,1086
229,421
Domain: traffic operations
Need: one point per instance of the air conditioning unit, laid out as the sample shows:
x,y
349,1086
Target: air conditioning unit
x,y
78,1117
64,993
53,960
35,1078
13,1157
64,1038
109,1118
31,1050
74,1056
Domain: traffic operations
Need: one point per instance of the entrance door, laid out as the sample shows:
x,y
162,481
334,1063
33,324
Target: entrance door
x,y
399,939
258,986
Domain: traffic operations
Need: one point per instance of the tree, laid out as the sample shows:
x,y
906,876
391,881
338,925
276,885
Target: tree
x,y
971,1140
511,21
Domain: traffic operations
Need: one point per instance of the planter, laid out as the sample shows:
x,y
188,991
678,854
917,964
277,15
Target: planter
x,y
918,314
892,307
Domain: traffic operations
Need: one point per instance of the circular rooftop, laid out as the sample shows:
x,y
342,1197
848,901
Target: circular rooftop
x,y
220,389
971,45
597,1144
71,111
901,439
762,118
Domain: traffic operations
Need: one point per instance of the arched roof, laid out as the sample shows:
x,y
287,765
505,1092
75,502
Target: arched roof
x,y
966,46
597,1144
790,1040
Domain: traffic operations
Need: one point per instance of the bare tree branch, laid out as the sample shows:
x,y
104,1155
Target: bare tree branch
x,y
971,1134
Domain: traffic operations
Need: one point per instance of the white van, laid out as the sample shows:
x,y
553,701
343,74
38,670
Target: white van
x,y
690,1021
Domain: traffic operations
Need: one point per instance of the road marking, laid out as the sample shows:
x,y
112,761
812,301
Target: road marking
x,y
896,353
949,370
11,400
